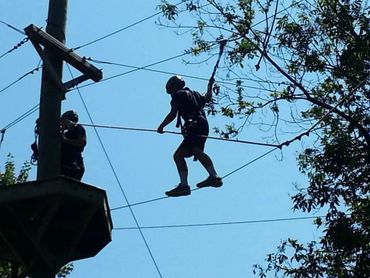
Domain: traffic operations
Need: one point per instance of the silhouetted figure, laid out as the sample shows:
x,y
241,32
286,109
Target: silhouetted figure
x,y
189,105
73,143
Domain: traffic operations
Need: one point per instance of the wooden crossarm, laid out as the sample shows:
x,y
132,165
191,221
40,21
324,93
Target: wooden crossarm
x,y
38,36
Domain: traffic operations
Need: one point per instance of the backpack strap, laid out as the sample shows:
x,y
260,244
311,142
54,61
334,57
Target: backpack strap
x,y
178,121
194,107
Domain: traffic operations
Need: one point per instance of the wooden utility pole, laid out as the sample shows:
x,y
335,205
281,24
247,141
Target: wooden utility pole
x,y
51,96
50,105
54,220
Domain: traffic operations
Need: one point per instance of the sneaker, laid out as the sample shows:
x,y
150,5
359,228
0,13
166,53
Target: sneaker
x,y
210,181
180,190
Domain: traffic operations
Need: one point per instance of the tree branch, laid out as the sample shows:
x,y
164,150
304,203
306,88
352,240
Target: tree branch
x,y
363,131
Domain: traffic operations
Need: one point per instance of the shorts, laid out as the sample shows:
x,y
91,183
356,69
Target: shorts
x,y
195,136
73,168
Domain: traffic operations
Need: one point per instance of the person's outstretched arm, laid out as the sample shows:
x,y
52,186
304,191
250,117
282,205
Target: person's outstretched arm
x,y
168,119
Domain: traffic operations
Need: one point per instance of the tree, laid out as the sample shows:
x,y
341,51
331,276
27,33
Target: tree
x,y
9,178
311,62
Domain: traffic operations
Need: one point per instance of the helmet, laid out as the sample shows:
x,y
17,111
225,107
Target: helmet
x,y
70,115
175,81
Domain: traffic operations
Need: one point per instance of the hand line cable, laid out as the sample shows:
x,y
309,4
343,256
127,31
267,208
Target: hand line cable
x,y
179,133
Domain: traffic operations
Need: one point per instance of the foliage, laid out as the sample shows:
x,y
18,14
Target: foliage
x,y
9,178
312,62
65,270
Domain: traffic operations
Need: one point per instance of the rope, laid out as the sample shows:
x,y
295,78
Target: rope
x,y
179,133
222,47
115,32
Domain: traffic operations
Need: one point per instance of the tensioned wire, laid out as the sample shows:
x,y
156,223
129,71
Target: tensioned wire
x,y
20,118
17,46
20,78
118,180
227,223
136,69
156,14
121,29
12,27
24,115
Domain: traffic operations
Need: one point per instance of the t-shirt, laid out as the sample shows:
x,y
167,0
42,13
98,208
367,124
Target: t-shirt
x,y
69,151
190,104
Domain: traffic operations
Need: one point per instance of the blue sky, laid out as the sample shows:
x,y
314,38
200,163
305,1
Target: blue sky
x,y
143,160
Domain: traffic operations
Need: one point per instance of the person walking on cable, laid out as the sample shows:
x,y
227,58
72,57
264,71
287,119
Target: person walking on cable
x,y
73,143
188,105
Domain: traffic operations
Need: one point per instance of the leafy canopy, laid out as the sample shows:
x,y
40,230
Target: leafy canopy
x,y
303,68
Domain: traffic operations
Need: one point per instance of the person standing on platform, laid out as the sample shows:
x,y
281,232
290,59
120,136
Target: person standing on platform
x,y
73,138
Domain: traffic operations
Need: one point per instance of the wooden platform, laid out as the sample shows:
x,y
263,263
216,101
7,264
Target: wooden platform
x,y
52,222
